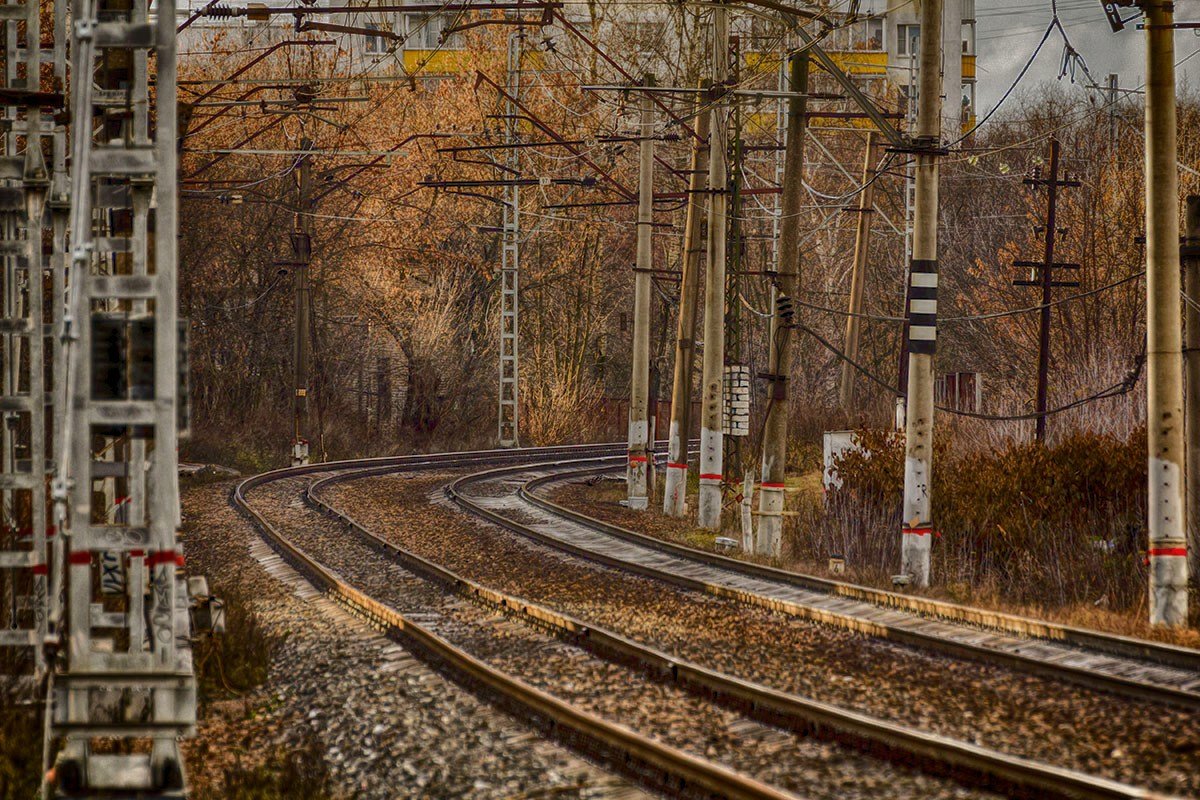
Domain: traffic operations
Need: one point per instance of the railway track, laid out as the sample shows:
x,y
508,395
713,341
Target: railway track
x,y
674,770
653,763
1116,664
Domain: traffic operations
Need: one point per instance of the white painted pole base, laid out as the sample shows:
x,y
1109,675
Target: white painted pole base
x,y
710,479
769,541
916,540
675,482
914,556
1168,554
299,453
636,482
748,512
675,490
1168,583
635,473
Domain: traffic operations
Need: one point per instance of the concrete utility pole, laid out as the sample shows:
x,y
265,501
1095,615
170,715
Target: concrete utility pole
x,y
714,282
917,525
675,486
301,255
858,277
1191,357
639,385
1164,384
769,540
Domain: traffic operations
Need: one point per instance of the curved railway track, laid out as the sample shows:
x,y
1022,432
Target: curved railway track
x,y
654,763
660,765
1121,665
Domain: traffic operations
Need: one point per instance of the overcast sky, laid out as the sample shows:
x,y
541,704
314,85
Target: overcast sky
x,y
1008,32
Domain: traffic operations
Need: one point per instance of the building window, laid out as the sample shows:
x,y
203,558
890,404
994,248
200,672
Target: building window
x,y
874,34
374,44
865,34
968,99
425,32
908,40
968,38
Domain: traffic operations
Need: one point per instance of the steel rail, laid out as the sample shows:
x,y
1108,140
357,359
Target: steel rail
x,y
669,768
969,764
1112,644
1083,676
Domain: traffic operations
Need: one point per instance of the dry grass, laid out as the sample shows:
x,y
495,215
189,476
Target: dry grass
x,y
1057,533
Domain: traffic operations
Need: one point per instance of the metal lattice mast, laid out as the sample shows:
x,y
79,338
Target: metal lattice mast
x,y
781,118
510,260
734,350
24,181
127,673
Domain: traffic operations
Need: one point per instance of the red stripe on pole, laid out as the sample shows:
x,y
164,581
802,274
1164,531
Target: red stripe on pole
x,y
161,557
1168,551
41,569
673,465
767,485
637,459
709,476
136,553
80,557
919,531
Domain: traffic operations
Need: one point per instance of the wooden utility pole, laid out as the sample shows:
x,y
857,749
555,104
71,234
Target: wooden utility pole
x,y
1164,384
858,275
1114,89
1191,358
917,521
769,538
714,287
1047,278
1043,277
675,486
639,389
301,256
